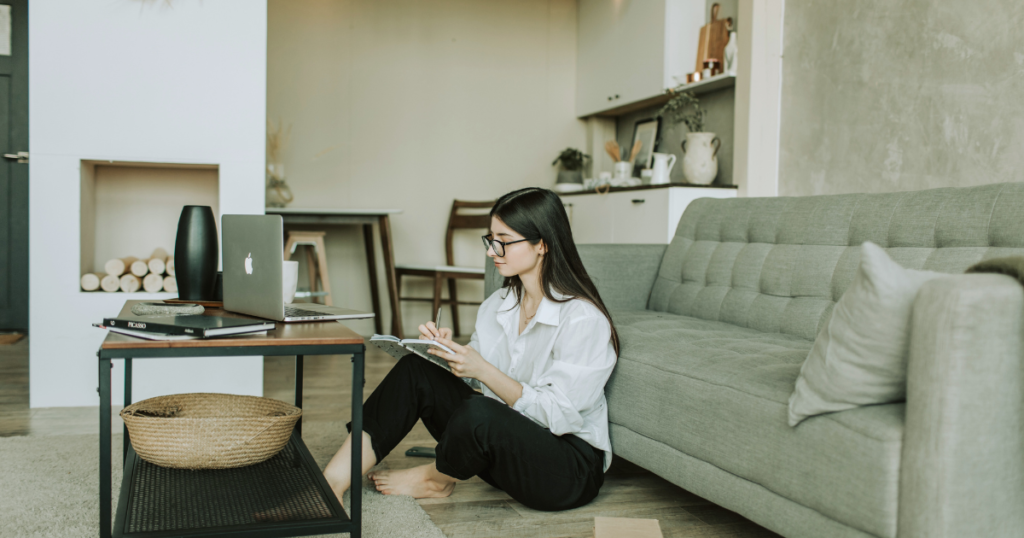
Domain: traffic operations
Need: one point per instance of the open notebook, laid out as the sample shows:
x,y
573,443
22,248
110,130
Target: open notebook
x,y
398,348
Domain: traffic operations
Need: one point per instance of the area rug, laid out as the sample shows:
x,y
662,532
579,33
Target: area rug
x,y
48,487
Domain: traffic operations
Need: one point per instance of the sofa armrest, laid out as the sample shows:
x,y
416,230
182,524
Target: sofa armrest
x,y
624,274
962,472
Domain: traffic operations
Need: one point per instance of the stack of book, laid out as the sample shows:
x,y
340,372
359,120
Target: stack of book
x,y
184,327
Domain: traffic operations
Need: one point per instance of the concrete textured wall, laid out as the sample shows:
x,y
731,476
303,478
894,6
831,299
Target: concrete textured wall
x,y
882,96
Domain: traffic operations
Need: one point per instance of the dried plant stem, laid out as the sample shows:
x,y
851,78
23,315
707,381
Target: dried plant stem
x,y
277,142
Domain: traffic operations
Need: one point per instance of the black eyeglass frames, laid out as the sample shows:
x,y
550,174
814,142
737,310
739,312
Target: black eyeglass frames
x,y
499,246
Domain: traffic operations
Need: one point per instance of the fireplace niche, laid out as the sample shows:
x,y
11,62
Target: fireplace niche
x,y
132,208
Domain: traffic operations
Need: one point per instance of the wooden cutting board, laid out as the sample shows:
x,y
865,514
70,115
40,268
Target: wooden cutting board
x,y
714,36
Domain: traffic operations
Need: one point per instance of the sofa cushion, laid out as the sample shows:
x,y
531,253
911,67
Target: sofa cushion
x,y
860,355
719,393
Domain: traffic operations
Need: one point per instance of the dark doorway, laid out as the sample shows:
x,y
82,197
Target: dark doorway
x,y
14,165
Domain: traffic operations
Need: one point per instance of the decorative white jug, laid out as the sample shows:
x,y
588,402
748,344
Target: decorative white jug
x,y
731,48
663,163
700,157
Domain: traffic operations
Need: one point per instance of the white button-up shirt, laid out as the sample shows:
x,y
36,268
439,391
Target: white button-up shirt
x,y
563,360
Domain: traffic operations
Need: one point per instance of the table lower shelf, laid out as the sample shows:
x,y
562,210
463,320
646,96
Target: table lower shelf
x,y
283,496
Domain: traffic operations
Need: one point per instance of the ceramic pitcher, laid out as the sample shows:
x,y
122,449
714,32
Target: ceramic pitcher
x,y
663,163
700,157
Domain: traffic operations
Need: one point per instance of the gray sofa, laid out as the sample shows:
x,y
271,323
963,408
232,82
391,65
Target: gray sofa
x,y
715,326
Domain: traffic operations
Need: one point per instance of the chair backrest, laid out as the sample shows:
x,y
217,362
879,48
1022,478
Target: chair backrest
x,y
780,264
460,221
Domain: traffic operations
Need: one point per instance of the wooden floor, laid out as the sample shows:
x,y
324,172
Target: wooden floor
x,y
475,509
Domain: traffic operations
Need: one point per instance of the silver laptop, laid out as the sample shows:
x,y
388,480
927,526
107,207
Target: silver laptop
x,y
253,255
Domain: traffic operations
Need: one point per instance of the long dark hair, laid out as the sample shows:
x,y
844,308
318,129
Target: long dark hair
x,y
538,214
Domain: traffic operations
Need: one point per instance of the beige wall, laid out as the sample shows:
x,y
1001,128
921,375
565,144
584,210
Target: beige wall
x,y
410,104
889,96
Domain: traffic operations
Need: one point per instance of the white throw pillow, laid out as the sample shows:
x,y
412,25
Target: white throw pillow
x,y
860,355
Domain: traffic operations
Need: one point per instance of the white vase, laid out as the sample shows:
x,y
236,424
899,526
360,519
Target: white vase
x,y
730,54
700,158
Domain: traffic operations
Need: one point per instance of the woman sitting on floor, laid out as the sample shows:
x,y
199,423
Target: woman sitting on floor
x,y
543,349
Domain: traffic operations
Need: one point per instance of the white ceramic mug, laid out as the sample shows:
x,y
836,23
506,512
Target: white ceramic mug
x,y
289,281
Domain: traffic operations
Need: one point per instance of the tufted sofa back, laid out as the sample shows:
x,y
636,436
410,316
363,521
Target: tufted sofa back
x,y
780,264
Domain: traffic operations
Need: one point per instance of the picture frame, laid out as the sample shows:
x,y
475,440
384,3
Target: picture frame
x,y
647,131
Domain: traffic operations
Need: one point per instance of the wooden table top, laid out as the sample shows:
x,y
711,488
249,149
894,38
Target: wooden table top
x,y
329,211
323,333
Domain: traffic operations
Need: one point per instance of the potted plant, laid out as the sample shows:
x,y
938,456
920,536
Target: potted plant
x,y
571,173
700,149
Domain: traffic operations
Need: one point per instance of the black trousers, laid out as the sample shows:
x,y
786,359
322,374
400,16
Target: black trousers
x,y
481,436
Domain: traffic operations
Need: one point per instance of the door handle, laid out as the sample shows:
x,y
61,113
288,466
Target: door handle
x,y
638,200
21,156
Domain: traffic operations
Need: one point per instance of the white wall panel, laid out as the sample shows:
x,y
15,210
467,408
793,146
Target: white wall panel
x,y
142,82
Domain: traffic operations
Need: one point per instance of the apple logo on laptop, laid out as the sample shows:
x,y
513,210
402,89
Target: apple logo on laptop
x,y
248,264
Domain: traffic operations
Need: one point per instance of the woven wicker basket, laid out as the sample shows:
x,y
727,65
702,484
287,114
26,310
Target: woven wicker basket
x,y
209,431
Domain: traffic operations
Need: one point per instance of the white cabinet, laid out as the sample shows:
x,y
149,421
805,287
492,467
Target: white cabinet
x,y
633,216
588,216
628,51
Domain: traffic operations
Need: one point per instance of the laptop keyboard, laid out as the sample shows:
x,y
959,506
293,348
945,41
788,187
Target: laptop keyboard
x,y
296,312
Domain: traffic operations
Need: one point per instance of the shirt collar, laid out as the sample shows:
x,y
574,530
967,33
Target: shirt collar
x,y
547,313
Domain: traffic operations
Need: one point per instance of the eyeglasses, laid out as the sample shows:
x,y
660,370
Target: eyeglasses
x,y
499,246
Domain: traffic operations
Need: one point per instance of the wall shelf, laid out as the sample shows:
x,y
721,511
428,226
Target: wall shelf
x,y
650,187
716,82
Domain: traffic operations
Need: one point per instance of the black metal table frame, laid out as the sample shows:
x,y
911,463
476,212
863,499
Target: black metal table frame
x,y
269,530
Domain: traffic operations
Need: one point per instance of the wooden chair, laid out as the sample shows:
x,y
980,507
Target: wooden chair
x,y
316,261
450,272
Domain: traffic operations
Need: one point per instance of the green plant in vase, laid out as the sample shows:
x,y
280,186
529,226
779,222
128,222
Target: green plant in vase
x,y
700,148
570,177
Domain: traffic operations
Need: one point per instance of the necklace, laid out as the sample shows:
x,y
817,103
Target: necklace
x,y
528,318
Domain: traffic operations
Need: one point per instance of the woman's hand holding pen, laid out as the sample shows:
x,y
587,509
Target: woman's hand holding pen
x,y
429,331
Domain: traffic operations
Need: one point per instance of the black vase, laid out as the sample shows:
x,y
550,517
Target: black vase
x,y
195,253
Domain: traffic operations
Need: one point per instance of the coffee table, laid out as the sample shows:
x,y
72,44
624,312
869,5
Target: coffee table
x,y
290,488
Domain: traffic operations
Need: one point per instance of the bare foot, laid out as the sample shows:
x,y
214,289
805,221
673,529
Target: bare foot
x,y
415,482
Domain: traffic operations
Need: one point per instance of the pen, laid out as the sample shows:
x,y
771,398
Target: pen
x,y
437,322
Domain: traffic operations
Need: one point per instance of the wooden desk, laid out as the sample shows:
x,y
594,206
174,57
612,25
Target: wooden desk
x,y
366,218
151,505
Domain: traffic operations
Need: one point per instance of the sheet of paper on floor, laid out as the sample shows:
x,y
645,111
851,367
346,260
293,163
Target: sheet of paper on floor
x,y
617,527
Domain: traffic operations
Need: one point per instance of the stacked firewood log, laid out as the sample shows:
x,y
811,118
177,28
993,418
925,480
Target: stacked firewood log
x,y
152,274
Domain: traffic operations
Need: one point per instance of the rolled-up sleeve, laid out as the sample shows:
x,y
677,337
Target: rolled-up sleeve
x,y
583,360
